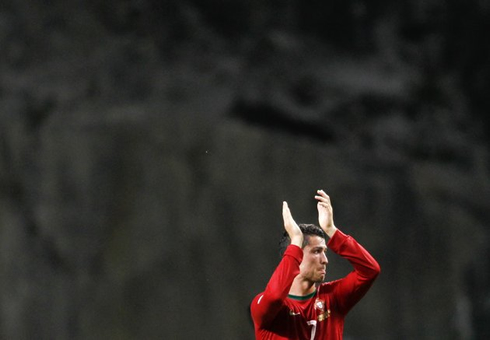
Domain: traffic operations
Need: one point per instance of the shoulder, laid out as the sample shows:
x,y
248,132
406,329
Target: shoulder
x,y
328,287
257,298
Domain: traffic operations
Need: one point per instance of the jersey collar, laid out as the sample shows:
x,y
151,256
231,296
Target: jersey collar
x,y
302,298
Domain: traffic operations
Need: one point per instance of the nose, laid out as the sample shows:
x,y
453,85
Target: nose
x,y
324,258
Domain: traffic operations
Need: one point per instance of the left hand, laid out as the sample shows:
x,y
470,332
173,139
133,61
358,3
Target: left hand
x,y
325,213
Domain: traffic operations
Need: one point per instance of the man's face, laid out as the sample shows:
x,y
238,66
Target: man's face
x,y
314,264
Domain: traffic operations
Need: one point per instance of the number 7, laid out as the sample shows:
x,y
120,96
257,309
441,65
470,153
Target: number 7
x,y
313,329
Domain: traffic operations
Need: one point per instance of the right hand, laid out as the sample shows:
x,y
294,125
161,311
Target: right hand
x,y
292,228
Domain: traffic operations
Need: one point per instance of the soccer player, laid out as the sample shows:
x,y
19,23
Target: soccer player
x,y
296,303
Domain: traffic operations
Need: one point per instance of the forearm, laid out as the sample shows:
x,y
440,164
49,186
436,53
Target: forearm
x,y
350,289
348,248
297,240
330,231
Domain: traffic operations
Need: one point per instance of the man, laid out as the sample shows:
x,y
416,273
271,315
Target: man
x,y
296,304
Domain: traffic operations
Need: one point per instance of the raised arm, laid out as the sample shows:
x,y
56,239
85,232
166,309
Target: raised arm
x,y
266,305
351,289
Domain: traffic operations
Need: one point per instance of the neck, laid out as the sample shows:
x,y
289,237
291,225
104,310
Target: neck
x,y
301,287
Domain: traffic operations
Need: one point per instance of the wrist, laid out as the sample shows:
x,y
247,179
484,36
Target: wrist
x,y
297,240
330,230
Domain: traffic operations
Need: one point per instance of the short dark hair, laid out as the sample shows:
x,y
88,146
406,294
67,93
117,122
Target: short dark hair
x,y
307,229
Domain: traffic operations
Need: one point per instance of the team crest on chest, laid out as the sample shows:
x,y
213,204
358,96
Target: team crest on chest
x,y
320,310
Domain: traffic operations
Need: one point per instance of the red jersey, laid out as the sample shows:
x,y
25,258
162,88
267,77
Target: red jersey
x,y
320,315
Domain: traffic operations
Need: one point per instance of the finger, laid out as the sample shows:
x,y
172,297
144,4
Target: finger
x,y
286,213
323,199
322,195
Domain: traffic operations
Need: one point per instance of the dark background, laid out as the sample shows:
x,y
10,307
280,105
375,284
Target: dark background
x,y
146,147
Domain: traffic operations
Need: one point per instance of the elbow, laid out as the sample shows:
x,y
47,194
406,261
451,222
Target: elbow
x,y
275,299
376,270
263,313
371,272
